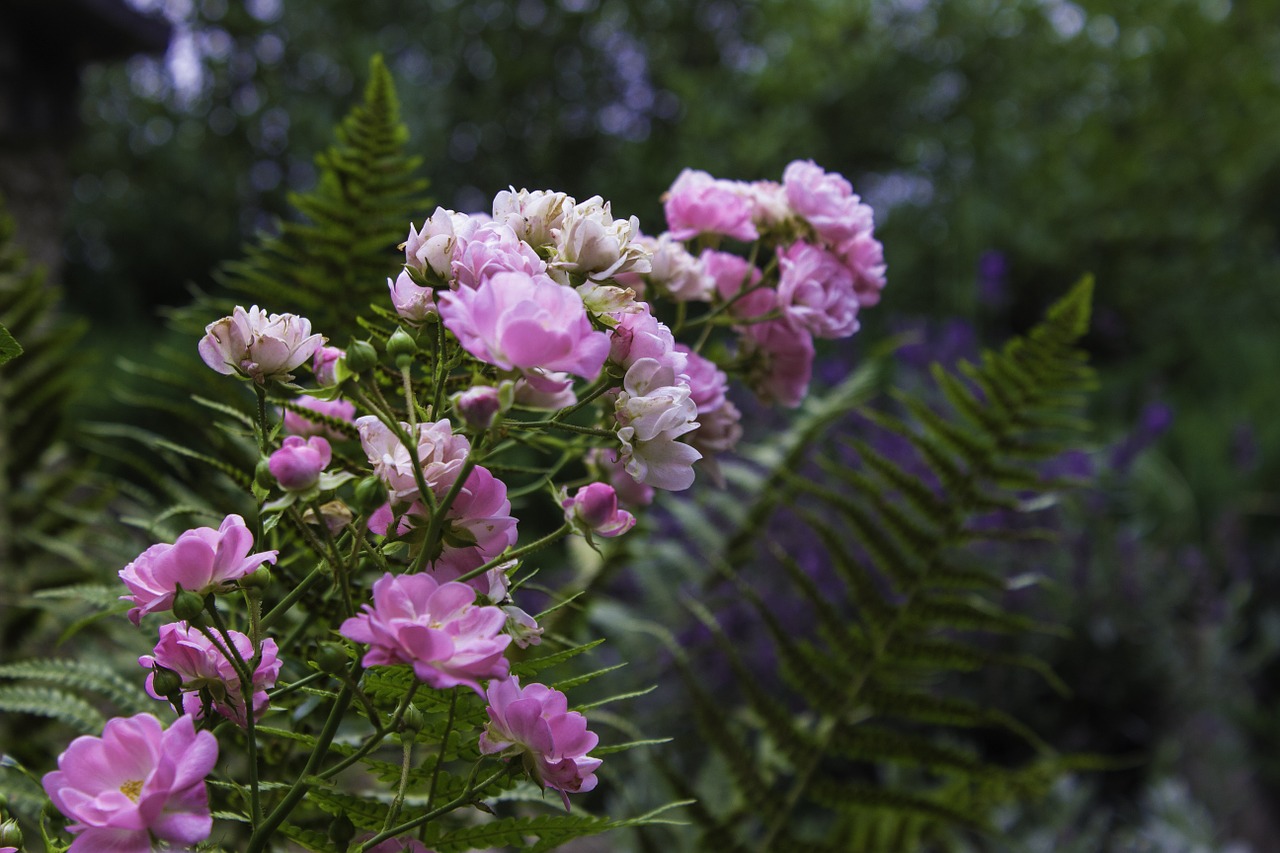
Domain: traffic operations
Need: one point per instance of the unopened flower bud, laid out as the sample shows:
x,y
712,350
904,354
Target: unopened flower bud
x,y
322,364
262,475
478,406
401,347
188,606
412,721
259,580
332,658
370,494
296,466
594,509
165,681
341,831
10,834
361,356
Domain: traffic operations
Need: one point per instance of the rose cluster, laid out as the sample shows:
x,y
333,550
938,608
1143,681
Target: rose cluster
x,y
551,326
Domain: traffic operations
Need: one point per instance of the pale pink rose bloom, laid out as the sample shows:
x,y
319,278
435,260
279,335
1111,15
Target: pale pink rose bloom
x,y
641,335
826,201
440,454
535,721
732,275
523,628
298,463
652,411
708,384
433,247
719,421
676,272
533,216
203,560
522,322
594,508
204,667
816,290
412,302
610,466
700,204
478,526
786,350
263,346
592,244
436,628
864,256
769,205
322,364
137,781
299,424
491,249
545,390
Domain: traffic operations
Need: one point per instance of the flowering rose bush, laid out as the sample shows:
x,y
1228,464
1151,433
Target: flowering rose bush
x,y
547,356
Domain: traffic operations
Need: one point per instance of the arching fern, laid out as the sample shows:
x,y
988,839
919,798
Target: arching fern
x,y
860,735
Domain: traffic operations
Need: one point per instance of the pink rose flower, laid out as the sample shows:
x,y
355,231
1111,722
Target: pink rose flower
x,y
698,203
432,248
412,302
298,463
491,249
547,390
652,411
531,215
816,290
594,509
732,275
478,526
323,362
136,781
826,201
206,671
260,345
521,322
610,466
592,244
440,454
203,560
675,272
641,335
299,424
786,360
535,721
436,628
864,256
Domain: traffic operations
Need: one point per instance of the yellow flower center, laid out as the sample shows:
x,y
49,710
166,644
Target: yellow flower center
x,y
132,789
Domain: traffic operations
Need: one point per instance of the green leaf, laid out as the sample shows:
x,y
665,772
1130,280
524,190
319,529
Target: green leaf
x,y
9,348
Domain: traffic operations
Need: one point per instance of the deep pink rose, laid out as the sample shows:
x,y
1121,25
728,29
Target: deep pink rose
x,y
536,721
137,780
698,203
786,363
203,560
594,508
816,290
436,628
204,668
521,322
299,461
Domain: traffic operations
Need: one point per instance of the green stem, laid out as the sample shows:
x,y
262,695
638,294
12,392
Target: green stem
x,y
372,741
264,831
397,802
508,556
245,672
409,402
444,742
603,384
292,598
461,800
